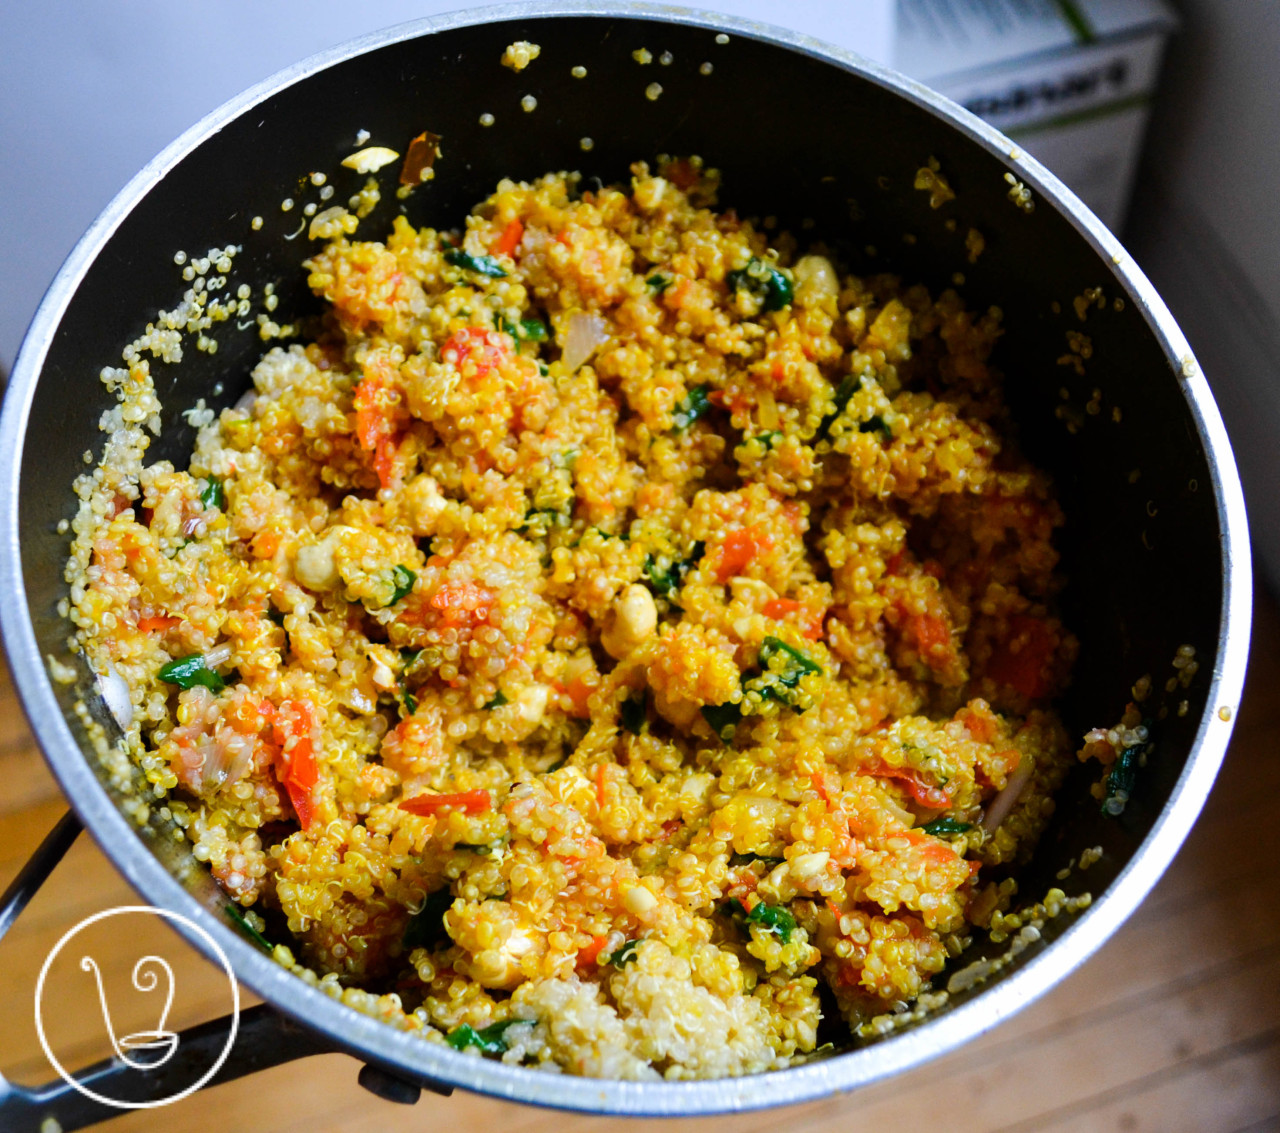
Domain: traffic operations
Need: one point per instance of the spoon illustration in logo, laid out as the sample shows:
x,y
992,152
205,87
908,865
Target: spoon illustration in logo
x,y
159,1042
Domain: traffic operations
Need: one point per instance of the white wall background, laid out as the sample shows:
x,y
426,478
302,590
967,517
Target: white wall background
x,y
1205,226
90,90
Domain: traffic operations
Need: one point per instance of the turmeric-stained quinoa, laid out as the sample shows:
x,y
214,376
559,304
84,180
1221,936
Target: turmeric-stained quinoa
x,y
614,643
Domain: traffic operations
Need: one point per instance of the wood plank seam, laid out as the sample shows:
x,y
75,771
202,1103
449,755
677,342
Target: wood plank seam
x,y
1096,1101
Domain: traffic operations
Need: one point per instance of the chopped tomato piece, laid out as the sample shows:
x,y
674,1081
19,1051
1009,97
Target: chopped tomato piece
x,y
579,693
1020,663
937,851
506,244
739,550
588,955
475,351
927,795
682,174
981,722
469,802
930,631
600,782
422,154
265,544
462,602
374,399
157,623
780,607
294,726
820,785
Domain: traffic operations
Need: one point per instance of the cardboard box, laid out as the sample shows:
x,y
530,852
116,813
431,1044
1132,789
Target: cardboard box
x,y
1070,80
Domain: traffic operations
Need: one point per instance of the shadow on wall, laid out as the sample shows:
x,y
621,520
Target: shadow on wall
x,y
1205,226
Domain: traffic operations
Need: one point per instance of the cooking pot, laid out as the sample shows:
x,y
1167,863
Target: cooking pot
x,y
1155,546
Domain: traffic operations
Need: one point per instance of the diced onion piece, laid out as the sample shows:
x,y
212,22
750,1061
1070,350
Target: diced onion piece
x,y
115,694
218,655
370,159
586,334
247,400
1002,804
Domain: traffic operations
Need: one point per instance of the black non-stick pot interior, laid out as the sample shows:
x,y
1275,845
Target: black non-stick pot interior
x,y
831,154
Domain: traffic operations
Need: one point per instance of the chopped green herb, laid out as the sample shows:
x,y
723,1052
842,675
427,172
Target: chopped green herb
x,y
772,918
543,518
764,281
940,827
774,683
498,701
213,495
874,424
658,283
768,439
748,858
237,918
187,672
724,719
634,714
412,662
665,581
543,369
794,663
402,580
1121,778
692,406
490,1040
481,265
533,330
409,701
426,928
849,385
526,330
624,956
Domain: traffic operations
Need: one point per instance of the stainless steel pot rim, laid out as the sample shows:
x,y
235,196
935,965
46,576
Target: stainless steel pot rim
x,y
419,1060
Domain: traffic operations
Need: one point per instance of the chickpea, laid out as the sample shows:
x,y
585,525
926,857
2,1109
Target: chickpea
x,y
635,617
315,566
816,282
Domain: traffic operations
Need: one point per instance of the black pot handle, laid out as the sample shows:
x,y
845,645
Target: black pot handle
x,y
266,1038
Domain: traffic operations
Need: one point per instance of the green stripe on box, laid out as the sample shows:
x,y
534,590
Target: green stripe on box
x,y
1106,110
1076,21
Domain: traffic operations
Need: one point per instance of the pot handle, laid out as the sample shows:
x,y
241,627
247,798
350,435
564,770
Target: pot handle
x,y
266,1038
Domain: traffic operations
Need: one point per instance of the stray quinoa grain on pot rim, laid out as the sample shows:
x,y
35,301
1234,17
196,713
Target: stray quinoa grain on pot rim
x,y
616,643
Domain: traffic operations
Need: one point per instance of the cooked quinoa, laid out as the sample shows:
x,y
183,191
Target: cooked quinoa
x,y
617,642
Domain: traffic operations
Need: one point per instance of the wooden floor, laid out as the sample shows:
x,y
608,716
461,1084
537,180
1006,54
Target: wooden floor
x,y
1174,1026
